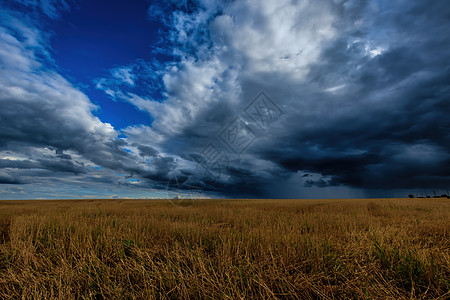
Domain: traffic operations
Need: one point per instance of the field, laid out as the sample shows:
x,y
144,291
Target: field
x,y
225,249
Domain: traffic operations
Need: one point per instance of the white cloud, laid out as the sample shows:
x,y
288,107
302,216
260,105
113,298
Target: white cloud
x,y
248,38
275,36
24,81
51,8
118,77
48,124
124,75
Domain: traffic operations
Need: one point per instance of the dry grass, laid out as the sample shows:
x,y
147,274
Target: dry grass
x,y
225,249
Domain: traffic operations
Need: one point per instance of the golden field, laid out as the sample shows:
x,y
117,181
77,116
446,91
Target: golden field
x,y
225,249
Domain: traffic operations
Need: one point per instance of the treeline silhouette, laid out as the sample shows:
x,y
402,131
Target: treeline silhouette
x,y
424,195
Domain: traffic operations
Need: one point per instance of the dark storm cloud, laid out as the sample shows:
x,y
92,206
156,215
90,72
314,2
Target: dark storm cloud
x,y
392,130
371,113
8,179
18,164
146,151
62,165
160,173
54,165
60,154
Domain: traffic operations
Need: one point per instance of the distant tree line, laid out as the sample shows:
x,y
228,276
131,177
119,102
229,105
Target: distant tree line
x,y
424,195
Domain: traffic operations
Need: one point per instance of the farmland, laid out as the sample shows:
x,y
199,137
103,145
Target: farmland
x,y
225,249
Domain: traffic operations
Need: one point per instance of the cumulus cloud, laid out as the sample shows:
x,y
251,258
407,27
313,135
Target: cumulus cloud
x,y
47,125
40,107
364,88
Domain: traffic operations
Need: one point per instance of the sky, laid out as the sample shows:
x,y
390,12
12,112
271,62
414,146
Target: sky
x,y
214,99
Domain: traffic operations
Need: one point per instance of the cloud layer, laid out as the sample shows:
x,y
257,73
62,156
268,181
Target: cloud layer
x,y
47,130
363,88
